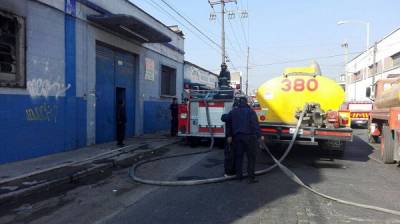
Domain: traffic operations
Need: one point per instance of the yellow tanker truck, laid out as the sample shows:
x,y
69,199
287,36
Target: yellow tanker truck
x,y
283,98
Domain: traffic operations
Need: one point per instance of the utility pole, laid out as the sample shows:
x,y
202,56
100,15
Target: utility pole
x,y
345,46
247,71
223,31
222,3
375,69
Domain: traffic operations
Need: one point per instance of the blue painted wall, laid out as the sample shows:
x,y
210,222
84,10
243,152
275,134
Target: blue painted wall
x,y
37,126
156,116
60,49
32,127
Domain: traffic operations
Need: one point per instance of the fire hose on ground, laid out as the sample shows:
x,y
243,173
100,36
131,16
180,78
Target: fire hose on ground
x,y
278,163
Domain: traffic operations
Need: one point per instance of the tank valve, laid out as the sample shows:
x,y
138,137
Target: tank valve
x,y
314,115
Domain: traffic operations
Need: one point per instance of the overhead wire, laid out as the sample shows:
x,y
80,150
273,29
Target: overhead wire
x,y
303,59
238,53
241,23
195,27
253,66
161,9
189,22
235,36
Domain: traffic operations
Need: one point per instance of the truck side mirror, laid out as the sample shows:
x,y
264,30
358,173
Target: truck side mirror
x,y
368,92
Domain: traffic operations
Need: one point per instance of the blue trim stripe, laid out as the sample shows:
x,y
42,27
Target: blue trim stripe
x,y
70,47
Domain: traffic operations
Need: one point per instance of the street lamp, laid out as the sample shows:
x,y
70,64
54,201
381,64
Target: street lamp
x,y
359,22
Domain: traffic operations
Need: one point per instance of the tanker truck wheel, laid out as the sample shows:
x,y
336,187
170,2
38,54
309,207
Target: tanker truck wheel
x,y
387,145
335,148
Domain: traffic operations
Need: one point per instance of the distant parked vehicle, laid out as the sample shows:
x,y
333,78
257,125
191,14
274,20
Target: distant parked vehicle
x,y
359,112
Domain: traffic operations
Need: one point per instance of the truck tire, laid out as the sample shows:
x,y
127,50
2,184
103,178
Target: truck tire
x,y
387,145
335,148
396,152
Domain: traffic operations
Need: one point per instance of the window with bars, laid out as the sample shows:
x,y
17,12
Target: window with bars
x,y
12,50
168,81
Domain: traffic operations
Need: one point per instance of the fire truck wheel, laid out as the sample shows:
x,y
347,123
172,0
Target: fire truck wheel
x,y
387,145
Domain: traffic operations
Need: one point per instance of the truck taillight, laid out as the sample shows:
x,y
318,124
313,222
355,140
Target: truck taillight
x,y
183,115
344,118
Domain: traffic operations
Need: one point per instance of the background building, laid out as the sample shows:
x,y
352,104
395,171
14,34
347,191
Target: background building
x,y
64,64
196,75
361,72
236,80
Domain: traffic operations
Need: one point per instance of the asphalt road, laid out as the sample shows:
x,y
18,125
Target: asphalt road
x,y
274,199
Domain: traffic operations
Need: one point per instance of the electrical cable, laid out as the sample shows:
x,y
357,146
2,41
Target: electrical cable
x,y
161,9
189,22
194,26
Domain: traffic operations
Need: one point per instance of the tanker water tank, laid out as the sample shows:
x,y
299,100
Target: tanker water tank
x,y
283,95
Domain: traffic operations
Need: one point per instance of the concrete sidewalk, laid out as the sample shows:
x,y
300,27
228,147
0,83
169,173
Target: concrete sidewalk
x,y
19,180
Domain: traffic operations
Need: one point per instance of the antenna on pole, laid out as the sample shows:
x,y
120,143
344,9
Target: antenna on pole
x,y
247,71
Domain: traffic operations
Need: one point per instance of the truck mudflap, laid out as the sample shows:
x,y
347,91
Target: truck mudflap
x,y
311,134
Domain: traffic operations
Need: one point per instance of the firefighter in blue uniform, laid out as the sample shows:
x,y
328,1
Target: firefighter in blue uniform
x,y
174,117
121,121
229,151
244,133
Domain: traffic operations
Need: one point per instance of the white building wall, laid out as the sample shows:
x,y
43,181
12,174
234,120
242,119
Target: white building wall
x,y
387,47
195,74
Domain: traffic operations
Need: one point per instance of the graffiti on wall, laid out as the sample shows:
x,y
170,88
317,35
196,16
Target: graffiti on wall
x,y
44,87
44,112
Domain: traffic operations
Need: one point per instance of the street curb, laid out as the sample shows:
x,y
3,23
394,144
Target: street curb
x,y
92,170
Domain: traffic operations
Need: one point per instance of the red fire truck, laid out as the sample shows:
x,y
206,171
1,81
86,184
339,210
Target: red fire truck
x,y
359,112
200,116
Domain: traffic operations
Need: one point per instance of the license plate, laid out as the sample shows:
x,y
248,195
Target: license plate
x,y
291,131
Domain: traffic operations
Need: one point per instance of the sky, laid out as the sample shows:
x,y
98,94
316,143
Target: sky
x,y
279,33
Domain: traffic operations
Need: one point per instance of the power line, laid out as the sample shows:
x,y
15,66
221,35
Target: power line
x,y
241,24
161,9
300,60
304,59
194,26
188,21
232,46
235,36
237,52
